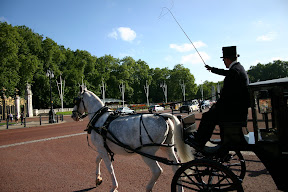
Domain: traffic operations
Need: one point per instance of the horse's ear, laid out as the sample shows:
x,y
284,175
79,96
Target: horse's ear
x,y
81,89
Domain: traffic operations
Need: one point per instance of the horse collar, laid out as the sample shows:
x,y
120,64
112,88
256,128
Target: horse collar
x,y
95,118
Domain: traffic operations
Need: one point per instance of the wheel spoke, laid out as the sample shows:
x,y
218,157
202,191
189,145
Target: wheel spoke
x,y
205,175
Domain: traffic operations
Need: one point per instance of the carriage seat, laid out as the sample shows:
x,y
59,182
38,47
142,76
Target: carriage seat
x,y
235,135
189,124
230,132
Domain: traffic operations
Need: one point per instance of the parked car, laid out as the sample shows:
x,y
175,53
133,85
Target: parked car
x,y
125,110
205,104
155,108
189,106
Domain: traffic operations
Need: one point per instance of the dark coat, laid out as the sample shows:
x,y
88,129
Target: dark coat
x,y
234,97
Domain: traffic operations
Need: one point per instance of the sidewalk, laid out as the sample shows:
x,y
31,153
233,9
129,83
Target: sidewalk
x,y
35,121
31,122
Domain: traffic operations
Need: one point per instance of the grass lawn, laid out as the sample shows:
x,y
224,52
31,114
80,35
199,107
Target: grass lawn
x,y
64,113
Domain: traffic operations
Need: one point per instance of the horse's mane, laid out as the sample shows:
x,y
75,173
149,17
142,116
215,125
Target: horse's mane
x,y
94,95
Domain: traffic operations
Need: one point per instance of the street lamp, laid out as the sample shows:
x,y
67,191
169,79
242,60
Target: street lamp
x,y
50,74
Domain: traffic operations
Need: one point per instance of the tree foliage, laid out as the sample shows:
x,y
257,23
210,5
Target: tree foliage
x,y
262,72
25,57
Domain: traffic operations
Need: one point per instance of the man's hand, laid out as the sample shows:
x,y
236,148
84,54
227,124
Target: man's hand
x,y
208,67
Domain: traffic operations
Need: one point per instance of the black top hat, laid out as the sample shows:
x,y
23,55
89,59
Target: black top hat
x,y
229,52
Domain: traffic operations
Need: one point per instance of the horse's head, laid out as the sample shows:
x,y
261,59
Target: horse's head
x,y
79,108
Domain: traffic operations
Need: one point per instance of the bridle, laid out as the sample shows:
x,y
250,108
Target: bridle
x,y
77,101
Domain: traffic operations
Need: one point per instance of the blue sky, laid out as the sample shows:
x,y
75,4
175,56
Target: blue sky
x,y
144,30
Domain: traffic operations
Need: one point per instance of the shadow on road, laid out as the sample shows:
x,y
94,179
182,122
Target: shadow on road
x,y
83,190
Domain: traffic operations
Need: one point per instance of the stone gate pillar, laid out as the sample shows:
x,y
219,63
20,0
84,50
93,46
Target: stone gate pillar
x,y
17,105
28,97
3,97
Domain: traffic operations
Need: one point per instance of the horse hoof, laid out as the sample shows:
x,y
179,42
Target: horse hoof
x,y
98,181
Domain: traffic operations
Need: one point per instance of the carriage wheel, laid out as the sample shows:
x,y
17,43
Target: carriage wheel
x,y
234,160
205,175
236,163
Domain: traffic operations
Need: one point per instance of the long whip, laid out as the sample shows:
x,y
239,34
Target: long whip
x,y
184,33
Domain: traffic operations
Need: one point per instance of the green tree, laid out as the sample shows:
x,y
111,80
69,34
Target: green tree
x,y
207,90
159,76
140,76
9,62
261,72
106,69
28,55
51,58
180,74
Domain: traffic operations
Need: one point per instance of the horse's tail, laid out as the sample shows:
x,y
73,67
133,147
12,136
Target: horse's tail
x,y
183,150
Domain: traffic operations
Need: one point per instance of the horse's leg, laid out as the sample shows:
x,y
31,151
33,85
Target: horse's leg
x,y
98,173
156,172
110,169
172,156
97,141
171,152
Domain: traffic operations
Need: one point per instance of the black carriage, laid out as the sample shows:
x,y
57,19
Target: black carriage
x,y
269,141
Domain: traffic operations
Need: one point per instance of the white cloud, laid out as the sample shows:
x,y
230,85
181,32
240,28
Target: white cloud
x,y
113,35
195,58
268,37
125,33
187,46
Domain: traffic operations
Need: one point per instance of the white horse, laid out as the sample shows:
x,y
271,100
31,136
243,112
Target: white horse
x,y
133,131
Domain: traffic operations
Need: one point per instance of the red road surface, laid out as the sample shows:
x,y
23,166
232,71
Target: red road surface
x,y
68,164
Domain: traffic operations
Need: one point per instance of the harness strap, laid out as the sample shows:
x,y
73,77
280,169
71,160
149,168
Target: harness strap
x,y
95,118
110,118
160,159
103,130
154,144
142,122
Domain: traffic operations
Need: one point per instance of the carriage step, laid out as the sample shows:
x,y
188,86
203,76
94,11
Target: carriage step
x,y
215,141
207,150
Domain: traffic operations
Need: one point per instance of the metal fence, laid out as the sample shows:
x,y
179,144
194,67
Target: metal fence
x,y
24,122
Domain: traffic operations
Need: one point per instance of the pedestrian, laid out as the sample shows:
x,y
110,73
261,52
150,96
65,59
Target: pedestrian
x,y
200,105
171,107
11,117
232,106
22,117
16,118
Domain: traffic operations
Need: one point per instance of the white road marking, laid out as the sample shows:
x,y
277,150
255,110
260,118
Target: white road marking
x,y
72,135
40,140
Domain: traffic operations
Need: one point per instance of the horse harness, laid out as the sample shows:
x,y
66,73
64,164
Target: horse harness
x,y
77,101
103,130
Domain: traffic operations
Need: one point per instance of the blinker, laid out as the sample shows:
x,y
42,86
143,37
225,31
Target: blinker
x,y
76,101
